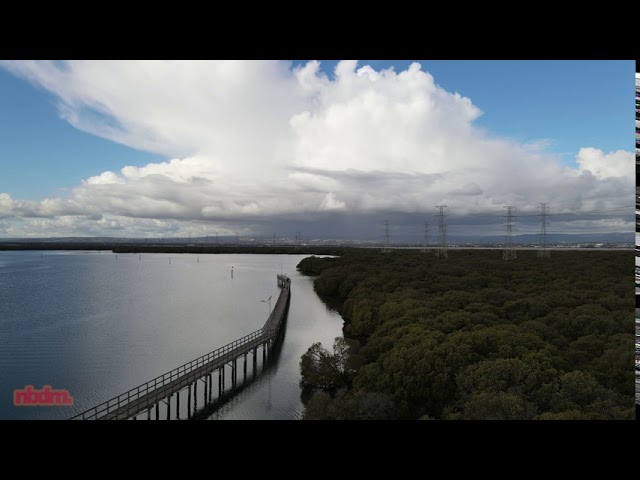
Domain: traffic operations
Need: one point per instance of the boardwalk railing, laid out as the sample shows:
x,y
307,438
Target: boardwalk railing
x,y
154,391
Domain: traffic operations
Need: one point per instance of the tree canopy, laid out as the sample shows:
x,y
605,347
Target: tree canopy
x,y
475,337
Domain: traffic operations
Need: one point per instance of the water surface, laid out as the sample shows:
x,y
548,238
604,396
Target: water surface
x,y
98,325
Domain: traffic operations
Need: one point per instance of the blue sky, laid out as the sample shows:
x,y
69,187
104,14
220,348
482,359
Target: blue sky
x,y
566,108
563,102
40,153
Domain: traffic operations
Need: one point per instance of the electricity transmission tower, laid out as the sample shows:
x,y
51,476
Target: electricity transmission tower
x,y
385,248
426,238
543,252
441,251
509,252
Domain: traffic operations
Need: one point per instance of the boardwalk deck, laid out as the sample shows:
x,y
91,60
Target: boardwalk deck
x,y
147,395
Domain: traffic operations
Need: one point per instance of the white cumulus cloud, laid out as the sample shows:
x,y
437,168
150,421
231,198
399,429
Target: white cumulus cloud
x,y
606,165
245,141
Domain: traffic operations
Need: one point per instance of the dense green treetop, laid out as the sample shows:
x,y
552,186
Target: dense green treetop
x,y
473,336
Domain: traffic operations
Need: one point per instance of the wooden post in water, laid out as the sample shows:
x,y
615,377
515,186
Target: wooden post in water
x,y
255,360
178,405
195,396
206,380
233,373
245,366
189,402
169,407
157,410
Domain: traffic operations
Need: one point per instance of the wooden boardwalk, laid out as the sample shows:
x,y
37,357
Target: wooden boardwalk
x,y
161,389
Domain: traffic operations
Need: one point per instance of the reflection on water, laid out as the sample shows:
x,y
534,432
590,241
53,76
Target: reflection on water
x,y
98,325
251,384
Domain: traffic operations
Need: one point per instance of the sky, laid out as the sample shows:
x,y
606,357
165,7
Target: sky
x,y
329,148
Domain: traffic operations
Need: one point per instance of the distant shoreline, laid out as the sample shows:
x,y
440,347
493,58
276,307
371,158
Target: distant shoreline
x,y
180,248
256,249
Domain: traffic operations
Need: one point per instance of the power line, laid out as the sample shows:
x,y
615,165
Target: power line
x,y
586,212
509,252
575,212
442,228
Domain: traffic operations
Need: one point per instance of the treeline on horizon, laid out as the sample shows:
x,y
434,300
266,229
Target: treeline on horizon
x,y
201,249
473,336
282,250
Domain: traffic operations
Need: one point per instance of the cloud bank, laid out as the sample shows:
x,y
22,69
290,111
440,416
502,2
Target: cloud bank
x,y
249,143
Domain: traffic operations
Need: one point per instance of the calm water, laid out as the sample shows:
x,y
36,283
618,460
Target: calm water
x,y
98,325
